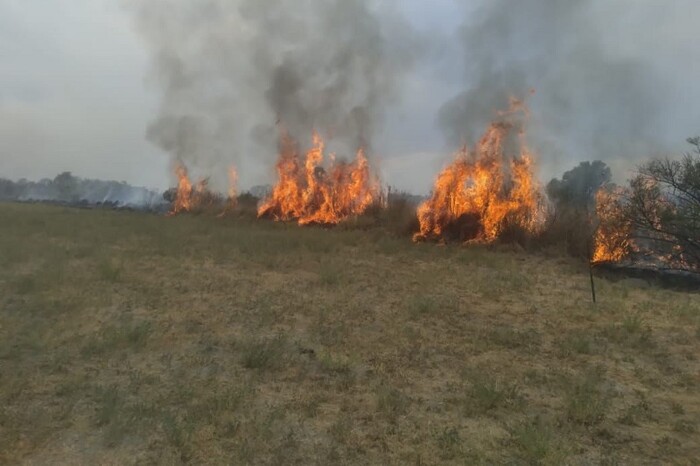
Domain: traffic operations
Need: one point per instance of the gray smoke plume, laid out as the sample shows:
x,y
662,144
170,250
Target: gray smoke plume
x,y
590,102
232,72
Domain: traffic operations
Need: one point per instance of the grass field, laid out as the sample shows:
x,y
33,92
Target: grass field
x,y
133,338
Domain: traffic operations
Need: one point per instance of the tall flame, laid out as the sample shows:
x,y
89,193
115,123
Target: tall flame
x,y
481,193
189,197
309,193
183,195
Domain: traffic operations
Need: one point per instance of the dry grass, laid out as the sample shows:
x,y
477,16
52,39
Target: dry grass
x,y
128,338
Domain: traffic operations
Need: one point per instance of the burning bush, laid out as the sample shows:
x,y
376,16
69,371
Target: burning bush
x,y
197,198
613,240
308,192
484,193
658,217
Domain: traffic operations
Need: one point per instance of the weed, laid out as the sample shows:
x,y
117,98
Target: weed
x,y
487,394
536,444
178,432
511,338
125,336
109,270
334,364
329,275
577,343
391,402
262,354
25,285
677,409
426,305
636,413
631,332
586,403
449,443
684,427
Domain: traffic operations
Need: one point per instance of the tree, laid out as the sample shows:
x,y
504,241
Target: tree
x,y
664,206
578,186
66,186
573,199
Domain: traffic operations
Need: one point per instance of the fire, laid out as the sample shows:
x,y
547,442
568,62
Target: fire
x,y
309,193
183,195
197,197
613,237
481,193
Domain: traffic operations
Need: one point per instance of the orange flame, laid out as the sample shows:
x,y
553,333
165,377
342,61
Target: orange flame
x,y
613,238
480,194
309,193
189,197
183,196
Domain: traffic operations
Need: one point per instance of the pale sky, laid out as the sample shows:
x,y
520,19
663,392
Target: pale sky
x,y
75,93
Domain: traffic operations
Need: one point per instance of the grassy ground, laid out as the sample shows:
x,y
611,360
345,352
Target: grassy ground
x,y
132,338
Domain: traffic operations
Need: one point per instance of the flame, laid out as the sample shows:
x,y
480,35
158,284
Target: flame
x,y
309,193
613,238
481,193
183,196
189,197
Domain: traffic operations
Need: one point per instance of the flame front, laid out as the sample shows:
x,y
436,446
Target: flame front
x,y
198,197
613,238
309,193
480,193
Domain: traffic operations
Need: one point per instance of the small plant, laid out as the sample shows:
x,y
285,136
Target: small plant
x,y
111,416
25,285
333,363
125,336
487,394
109,270
392,402
422,305
329,275
631,332
677,409
684,427
511,338
449,442
636,413
262,354
586,402
576,344
536,443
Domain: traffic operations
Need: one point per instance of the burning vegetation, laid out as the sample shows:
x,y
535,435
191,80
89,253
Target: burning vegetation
x,y
191,198
484,192
613,238
310,193
656,220
489,193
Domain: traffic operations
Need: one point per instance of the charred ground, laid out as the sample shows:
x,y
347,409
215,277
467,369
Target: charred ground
x,y
128,337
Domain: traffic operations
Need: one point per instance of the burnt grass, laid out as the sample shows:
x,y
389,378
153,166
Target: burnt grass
x,y
131,338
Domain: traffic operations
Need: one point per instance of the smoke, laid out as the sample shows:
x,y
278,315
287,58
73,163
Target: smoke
x,y
232,73
591,101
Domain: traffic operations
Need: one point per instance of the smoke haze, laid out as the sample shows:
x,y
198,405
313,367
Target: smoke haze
x,y
231,71
411,79
593,99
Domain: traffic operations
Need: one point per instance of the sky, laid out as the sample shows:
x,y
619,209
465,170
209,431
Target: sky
x,y
78,92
